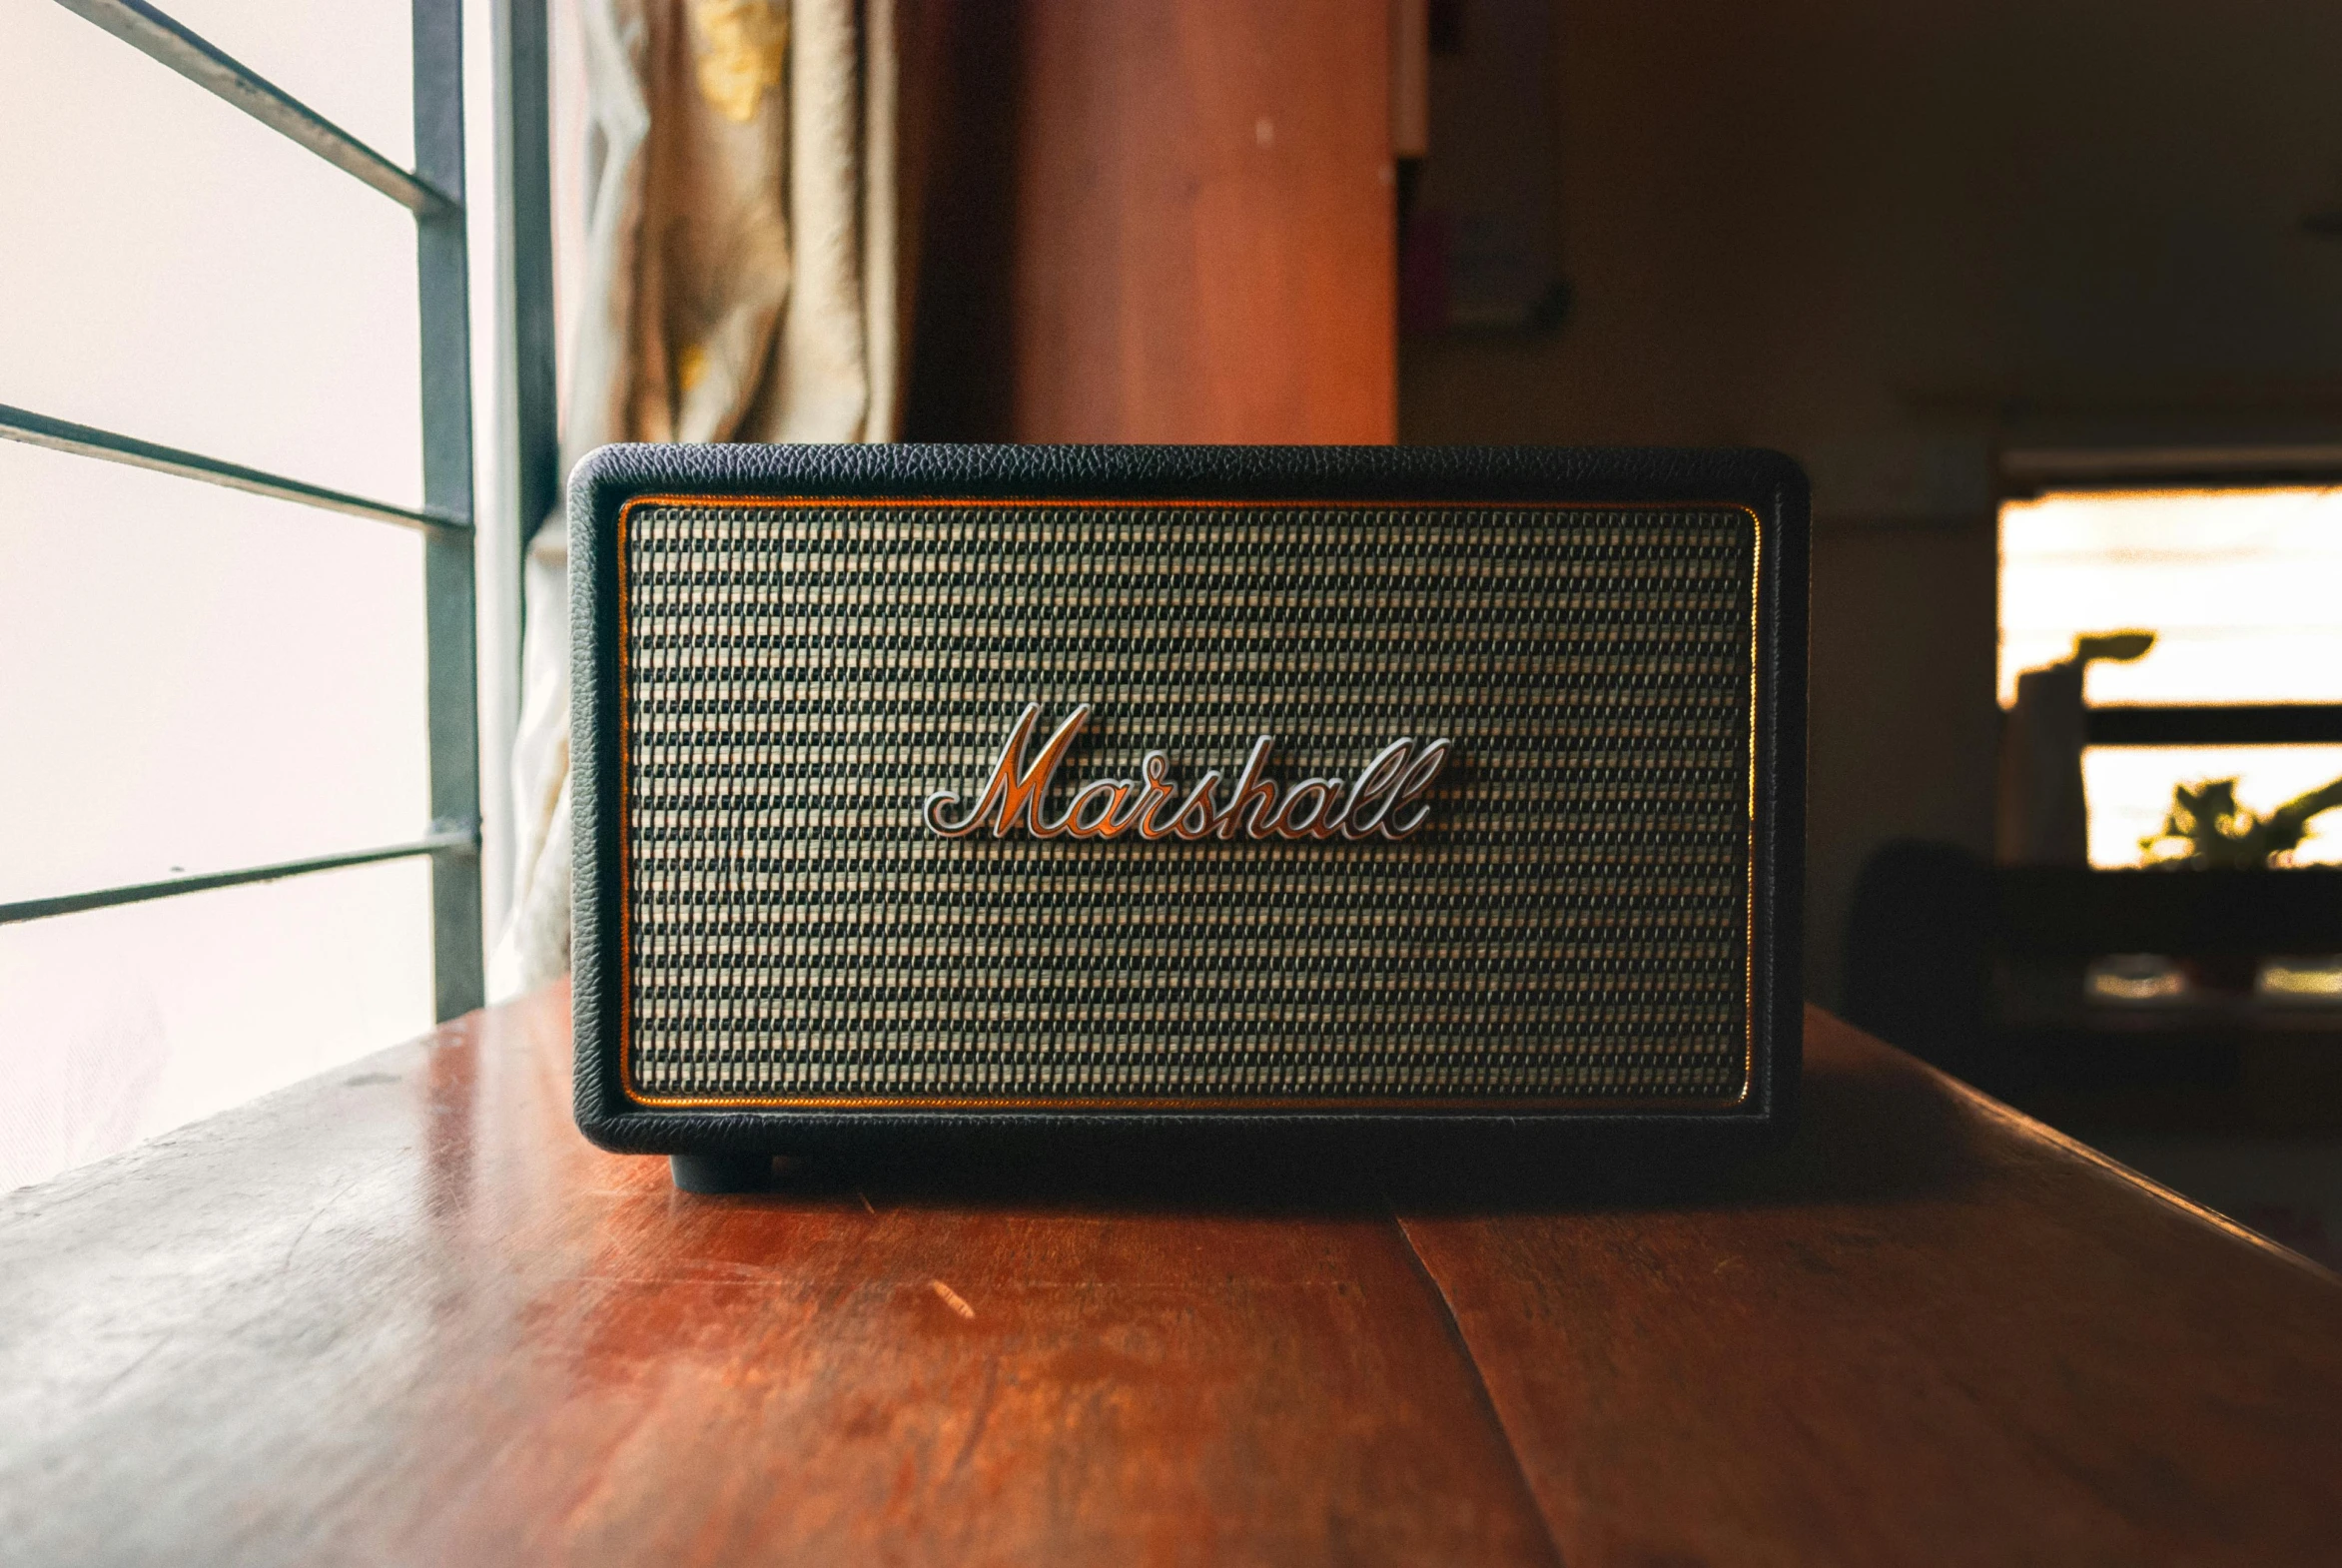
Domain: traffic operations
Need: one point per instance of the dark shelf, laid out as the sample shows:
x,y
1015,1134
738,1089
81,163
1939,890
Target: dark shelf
x,y
2078,912
2257,724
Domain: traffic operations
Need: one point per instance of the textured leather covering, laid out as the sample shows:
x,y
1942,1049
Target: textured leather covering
x,y
1574,923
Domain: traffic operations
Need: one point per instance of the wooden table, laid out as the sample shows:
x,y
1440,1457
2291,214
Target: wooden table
x,y
404,1314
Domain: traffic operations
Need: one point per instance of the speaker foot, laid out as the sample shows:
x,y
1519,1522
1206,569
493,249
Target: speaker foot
x,y
714,1174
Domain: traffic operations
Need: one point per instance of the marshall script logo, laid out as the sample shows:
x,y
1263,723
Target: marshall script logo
x,y
1386,798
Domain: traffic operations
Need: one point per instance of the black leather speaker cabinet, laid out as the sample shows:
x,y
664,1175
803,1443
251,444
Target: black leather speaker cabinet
x,y
936,792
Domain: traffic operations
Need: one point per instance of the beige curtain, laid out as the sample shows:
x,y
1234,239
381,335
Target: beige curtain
x,y
741,284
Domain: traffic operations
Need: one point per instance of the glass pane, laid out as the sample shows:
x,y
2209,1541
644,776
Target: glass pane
x,y
2242,588
178,271
195,678
124,1023
350,61
2129,789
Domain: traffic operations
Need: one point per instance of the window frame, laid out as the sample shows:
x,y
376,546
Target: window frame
x,y
2031,474
434,193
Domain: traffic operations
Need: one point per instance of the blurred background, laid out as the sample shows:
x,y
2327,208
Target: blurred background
x,y
2047,297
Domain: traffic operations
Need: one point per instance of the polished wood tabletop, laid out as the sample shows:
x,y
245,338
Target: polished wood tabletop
x,y
403,1313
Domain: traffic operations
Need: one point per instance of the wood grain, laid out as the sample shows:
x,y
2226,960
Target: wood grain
x,y
1930,1331
406,1314
1205,222
1158,221
403,1313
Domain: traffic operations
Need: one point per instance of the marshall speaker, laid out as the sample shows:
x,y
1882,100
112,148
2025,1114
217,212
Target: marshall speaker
x,y
929,791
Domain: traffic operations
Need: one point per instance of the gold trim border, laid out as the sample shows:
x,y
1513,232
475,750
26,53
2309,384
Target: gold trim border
x,y
1161,1103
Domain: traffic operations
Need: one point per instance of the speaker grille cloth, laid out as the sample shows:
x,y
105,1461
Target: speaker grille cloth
x,y
1571,923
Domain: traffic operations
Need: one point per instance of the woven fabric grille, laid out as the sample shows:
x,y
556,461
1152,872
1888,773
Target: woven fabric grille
x,y
1571,924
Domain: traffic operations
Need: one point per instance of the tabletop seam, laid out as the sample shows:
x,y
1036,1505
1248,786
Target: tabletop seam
x,y
1479,1381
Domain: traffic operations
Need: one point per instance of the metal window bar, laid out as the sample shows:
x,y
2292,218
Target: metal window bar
x,y
433,192
524,85
444,840
83,440
450,645
152,33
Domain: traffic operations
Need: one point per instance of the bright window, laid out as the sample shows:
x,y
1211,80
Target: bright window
x,y
198,681
2243,590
